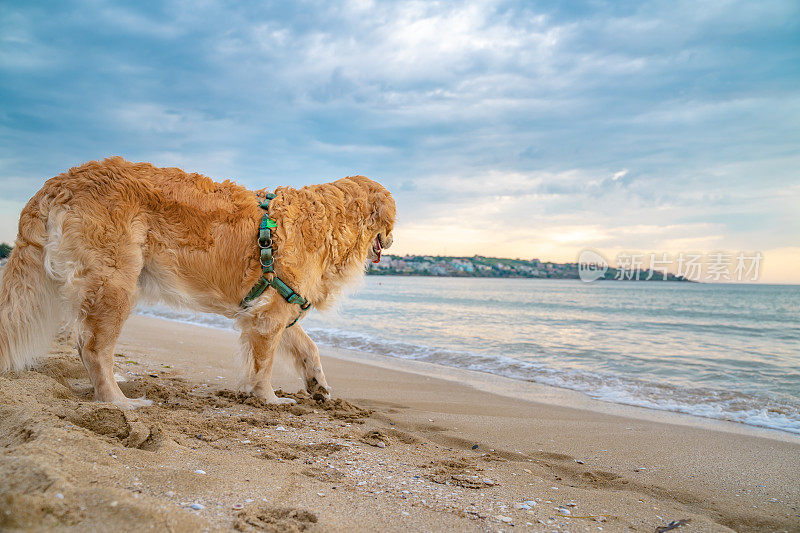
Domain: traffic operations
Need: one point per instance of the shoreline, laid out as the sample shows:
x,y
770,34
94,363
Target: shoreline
x,y
530,390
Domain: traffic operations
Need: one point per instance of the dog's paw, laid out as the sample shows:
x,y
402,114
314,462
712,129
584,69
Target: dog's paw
x,y
280,401
320,393
270,398
133,403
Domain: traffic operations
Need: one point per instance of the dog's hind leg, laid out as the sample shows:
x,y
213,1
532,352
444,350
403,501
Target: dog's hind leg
x,y
305,355
107,304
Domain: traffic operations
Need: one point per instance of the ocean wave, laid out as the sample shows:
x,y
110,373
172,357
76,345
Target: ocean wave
x,y
752,409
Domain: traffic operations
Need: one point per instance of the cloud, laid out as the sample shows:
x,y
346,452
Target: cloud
x,y
554,125
620,174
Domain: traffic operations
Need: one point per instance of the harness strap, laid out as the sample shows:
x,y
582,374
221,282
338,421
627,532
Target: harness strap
x,y
268,278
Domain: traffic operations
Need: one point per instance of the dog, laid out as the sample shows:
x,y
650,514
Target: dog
x,y
102,236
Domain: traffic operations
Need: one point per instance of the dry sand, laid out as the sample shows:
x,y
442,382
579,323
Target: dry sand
x,y
406,446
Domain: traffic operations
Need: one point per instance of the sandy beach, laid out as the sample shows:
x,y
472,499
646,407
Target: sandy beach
x,y
404,446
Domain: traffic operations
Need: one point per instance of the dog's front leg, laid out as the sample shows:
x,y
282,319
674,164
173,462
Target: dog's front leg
x,y
306,359
259,342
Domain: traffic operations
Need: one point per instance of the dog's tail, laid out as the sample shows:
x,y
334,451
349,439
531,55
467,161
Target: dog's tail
x,y
31,308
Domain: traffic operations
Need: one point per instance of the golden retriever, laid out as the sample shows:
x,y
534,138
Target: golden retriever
x,y
100,236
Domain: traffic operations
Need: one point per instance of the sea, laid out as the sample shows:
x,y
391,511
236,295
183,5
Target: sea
x,y
723,351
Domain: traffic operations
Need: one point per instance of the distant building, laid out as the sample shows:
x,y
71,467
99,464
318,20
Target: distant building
x,y
462,265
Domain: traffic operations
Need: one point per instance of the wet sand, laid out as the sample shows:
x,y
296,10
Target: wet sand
x,y
405,446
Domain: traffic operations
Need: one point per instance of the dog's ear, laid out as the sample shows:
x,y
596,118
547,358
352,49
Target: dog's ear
x,y
379,210
383,209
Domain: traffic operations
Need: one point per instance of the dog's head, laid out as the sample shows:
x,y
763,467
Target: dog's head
x,y
380,217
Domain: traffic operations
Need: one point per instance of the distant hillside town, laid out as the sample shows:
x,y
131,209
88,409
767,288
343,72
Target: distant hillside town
x,y
479,266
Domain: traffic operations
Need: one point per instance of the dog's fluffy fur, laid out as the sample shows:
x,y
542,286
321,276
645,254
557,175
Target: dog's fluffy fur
x,y
95,239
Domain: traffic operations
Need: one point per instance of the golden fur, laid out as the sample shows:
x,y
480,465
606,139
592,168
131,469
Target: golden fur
x,y
95,239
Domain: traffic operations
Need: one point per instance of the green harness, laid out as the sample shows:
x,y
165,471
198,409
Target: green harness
x,y
268,277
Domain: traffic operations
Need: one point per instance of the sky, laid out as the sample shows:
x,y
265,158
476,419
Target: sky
x,y
502,128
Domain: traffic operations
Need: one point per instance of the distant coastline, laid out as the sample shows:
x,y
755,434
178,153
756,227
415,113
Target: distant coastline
x,y
478,266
